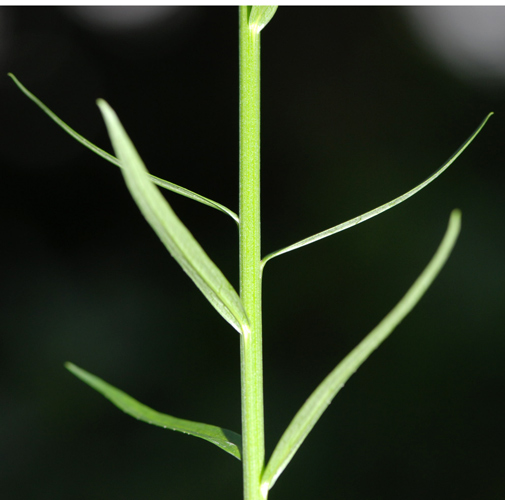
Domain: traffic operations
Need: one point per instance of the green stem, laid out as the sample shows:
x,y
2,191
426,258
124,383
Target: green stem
x,y
253,441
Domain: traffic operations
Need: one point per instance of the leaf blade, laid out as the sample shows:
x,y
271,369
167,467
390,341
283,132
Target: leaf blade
x,y
260,16
175,188
382,208
229,441
173,233
320,399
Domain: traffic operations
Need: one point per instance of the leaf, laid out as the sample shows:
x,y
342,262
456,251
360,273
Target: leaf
x,y
378,210
260,16
316,404
112,159
173,233
229,441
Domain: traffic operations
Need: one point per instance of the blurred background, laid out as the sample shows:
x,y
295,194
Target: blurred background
x,y
359,105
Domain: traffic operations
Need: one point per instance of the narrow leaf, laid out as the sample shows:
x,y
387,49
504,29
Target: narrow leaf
x,y
382,208
316,404
112,159
173,233
229,441
260,16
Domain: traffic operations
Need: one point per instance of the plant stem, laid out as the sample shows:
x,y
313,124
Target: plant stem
x,y
253,441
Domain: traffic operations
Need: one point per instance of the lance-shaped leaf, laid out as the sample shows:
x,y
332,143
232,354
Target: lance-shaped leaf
x,y
229,441
172,232
320,399
260,16
378,210
112,159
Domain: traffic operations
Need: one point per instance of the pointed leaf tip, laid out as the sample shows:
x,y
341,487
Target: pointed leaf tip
x,y
376,211
112,159
260,16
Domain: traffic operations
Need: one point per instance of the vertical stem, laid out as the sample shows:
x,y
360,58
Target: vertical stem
x,y
253,444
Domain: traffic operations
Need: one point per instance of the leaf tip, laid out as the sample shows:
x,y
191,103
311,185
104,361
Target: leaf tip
x,y
70,367
78,372
455,219
488,116
260,16
102,104
14,79
108,114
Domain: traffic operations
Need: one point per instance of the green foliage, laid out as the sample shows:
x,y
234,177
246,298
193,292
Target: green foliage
x,y
112,159
244,312
321,398
171,231
376,211
260,16
229,441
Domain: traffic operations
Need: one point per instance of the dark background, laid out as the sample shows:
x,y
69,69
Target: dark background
x,y
357,108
